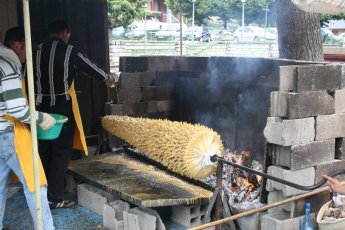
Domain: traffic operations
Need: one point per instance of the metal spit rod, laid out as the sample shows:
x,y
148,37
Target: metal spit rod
x,y
288,183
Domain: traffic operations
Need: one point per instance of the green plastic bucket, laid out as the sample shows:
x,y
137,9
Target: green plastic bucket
x,y
53,132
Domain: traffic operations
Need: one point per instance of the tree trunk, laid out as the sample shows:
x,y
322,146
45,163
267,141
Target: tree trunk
x,y
298,33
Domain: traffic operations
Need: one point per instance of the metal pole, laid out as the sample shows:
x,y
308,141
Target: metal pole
x,y
243,1
29,65
145,32
193,22
266,9
180,28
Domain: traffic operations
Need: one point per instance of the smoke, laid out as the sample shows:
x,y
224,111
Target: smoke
x,y
234,100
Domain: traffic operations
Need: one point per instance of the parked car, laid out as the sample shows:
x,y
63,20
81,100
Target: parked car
x,y
329,38
200,34
253,34
168,32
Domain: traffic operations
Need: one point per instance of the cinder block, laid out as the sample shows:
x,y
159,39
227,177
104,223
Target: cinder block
x,y
165,106
113,214
339,148
142,219
129,95
275,196
303,177
147,221
133,64
113,109
339,101
316,201
318,77
166,78
305,155
286,77
325,169
330,126
161,63
93,198
158,93
289,132
192,63
301,105
159,223
139,79
139,108
250,222
187,216
282,221
130,221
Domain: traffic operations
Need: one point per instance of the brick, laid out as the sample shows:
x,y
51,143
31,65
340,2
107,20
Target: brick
x,y
140,79
286,78
113,109
318,77
289,132
129,95
325,169
93,198
339,148
157,93
339,101
303,177
305,155
330,126
165,106
275,196
282,221
301,105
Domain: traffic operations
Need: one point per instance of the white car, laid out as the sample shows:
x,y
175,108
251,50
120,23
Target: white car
x,y
253,34
168,32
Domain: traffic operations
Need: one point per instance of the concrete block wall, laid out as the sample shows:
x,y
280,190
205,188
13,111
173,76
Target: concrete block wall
x,y
189,216
306,128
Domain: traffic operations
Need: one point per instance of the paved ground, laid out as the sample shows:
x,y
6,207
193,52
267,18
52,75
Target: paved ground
x,y
17,216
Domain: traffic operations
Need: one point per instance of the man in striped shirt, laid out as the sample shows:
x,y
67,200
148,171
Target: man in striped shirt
x,y
56,64
13,109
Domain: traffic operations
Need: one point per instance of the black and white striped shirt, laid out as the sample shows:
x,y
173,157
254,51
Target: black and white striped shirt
x,y
56,65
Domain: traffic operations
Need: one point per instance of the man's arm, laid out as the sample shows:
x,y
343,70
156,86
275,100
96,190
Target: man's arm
x,y
86,66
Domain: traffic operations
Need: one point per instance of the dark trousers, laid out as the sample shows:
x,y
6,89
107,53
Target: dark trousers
x,y
56,154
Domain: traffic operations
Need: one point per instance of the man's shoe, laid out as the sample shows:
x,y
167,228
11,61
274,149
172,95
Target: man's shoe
x,y
62,204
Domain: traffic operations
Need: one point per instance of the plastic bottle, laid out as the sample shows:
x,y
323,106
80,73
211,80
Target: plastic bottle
x,y
307,223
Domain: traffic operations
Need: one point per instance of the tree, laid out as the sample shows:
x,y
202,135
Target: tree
x,y
202,9
298,33
124,12
324,18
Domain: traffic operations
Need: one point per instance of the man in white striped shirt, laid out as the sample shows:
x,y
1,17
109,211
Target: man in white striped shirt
x,y
56,65
13,111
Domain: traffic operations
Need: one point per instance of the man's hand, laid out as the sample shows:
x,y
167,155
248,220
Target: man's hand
x,y
47,122
334,185
112,80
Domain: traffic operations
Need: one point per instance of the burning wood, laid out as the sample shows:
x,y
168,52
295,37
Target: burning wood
x,y
243,188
